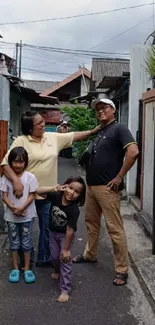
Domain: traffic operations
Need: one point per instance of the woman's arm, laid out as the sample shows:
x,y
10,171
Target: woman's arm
x,y
10,174
85,134
8,171
17,185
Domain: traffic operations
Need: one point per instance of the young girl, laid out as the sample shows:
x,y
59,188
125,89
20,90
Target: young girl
x,y
63,220
19,213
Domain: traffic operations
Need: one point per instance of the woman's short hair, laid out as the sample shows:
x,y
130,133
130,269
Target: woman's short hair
x,y
19,152
27,122
78,179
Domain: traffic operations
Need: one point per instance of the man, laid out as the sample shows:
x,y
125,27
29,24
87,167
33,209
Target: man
x,y
64,128
104,175
59,127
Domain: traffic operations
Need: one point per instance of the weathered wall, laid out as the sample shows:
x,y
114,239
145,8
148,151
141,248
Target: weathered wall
x,y
18,105
147,204
11,108
85,86
4,99
139,82
124,110
4,116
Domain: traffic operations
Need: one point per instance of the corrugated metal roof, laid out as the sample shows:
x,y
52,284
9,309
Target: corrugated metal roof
x,y
112,82
68,80
38,85
107,67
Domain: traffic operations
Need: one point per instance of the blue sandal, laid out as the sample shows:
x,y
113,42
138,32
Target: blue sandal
x,y
29,277
14,276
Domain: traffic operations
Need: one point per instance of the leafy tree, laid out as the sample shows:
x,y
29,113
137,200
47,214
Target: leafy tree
x,y
81,119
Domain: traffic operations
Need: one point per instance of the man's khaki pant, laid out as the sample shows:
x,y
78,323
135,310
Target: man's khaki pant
x,y
100,200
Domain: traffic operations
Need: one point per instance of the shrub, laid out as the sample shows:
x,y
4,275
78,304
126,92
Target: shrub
x,y
150,63
81,119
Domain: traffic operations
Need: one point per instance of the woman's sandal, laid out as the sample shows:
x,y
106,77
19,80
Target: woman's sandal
x,y
80,259
122,277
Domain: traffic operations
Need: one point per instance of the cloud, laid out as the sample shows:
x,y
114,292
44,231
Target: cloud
x,y
79,33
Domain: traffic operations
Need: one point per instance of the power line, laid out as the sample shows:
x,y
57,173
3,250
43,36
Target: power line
x,y
110,39
68,50
76,16
50,62
72,51
118,35
47,72
29,47
43,59
11,43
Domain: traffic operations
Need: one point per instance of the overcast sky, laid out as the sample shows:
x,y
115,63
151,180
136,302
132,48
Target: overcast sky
x,y
77,33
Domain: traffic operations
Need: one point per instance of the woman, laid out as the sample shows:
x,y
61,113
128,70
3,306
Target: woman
x,y
43,149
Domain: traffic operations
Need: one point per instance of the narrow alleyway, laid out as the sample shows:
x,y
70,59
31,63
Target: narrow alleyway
x,y
94,300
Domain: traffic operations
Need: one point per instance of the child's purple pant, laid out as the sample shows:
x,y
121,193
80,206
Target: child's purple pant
x,y
65,269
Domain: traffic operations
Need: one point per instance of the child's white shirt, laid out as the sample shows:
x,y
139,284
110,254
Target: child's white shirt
x,y
30,184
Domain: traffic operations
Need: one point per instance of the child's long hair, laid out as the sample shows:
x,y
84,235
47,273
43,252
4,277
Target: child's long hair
x,y
78,179
19,152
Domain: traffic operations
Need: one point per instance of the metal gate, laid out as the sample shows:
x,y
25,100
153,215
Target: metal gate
x,y
139,141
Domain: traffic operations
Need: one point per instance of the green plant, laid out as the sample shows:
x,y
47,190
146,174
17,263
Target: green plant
x,y
81,119
150,63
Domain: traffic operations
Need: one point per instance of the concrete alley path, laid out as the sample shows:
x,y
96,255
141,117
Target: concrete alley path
x,y
94,300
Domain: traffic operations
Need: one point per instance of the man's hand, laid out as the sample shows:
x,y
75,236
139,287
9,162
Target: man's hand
x,y
18,188
19,211
115,184
65,256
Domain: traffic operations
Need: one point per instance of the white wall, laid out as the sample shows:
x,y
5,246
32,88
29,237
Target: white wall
x,y
85,85
139,82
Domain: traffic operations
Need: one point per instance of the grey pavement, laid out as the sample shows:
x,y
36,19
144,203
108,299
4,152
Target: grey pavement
x,y
94,299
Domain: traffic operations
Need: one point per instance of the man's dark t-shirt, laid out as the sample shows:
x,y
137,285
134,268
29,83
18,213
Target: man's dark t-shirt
x,y
108,154
61,215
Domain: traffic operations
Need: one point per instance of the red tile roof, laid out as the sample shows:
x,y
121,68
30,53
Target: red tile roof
x,y
67,80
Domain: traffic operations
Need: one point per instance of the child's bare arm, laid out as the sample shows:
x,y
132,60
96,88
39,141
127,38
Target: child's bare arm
x,y
7,201
29,200
43,190
68,238
66,249
19,210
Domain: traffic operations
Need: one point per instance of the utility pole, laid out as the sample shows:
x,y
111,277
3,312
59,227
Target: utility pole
x,y
20,58
16,65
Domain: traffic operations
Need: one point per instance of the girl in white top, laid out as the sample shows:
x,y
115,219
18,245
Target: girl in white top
x,y
20,212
